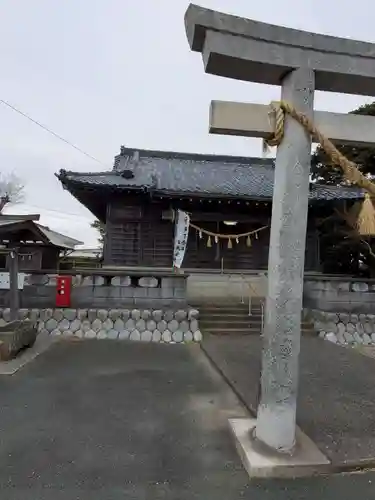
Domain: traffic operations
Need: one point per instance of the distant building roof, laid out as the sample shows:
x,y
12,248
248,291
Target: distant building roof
x,y
52,237
58,239
89,253
188,174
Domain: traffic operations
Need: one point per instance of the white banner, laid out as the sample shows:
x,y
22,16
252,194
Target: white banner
x,y
5,281
180,237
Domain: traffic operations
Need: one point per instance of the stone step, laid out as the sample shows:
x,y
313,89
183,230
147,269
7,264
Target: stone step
x,y
224,312
238,303
225,301
226,307
243,331
234,316
226,315
225,323
231,331
228,324
215,307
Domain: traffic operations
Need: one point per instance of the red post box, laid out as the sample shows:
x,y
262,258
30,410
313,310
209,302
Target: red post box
x,y
63,291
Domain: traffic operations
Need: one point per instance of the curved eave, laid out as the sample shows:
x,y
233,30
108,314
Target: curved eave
x,y
94,196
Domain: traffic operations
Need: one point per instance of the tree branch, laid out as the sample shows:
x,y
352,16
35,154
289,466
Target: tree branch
x,y
370,251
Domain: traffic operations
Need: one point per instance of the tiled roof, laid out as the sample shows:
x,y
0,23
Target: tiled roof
x,y
55,238
199,175
59,239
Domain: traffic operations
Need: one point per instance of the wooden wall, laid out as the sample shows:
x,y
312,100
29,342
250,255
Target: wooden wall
x,y
238,257
33,257
137,236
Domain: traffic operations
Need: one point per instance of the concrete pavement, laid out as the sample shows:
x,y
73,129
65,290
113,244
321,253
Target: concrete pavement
x,y
336,401
112,420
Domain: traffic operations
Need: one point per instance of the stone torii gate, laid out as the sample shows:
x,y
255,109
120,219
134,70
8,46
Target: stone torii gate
x,y
300,62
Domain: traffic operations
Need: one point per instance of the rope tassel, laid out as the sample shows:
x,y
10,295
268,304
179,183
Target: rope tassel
x,y
209,244
362,216
248,242
230,243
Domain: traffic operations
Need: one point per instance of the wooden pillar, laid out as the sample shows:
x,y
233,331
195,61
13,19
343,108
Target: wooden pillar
x,y
13,281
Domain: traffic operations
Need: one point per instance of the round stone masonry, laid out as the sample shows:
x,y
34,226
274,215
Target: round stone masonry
x,y
136,314
97,325
70,314
151,325
180,315
156,336
146,325
64,325
114,314
146,336
168,315
347,329
157,315
92,314
121,281
102,314
108,324
193,314
119,325
148,282
146,314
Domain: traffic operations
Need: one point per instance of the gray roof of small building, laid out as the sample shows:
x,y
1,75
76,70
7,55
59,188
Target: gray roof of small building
x,y
59,239
53,237
196,175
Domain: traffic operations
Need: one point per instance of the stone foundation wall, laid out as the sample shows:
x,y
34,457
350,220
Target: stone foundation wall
x,y
148,325
105,291
339,294
344,328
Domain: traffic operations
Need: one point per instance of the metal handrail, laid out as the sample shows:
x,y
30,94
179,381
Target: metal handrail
x,y
251,289
262,309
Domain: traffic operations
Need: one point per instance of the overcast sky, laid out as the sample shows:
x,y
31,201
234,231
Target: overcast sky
x,y
102,73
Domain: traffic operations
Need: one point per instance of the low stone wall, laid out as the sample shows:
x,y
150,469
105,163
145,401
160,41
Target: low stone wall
x,y
148,325
206,287
339,294
105,290
344,328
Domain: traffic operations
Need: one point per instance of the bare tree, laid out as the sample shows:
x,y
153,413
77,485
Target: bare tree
x,y
11,190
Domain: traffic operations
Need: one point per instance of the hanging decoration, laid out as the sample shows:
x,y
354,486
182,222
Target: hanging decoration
x,y
361,216
229,237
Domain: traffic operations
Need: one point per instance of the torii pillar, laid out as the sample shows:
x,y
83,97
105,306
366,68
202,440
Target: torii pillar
x,y
300,62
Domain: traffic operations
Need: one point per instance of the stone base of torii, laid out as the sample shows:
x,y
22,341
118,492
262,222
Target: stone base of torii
x,y
300,62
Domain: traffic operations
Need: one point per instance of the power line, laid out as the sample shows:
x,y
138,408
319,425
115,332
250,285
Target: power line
x,y
60,212
51,132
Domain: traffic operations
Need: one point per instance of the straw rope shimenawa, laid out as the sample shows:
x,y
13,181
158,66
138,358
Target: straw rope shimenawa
x,y
361,216
229,237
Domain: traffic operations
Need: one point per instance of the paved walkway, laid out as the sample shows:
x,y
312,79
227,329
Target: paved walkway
x,y
336,405
106,420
